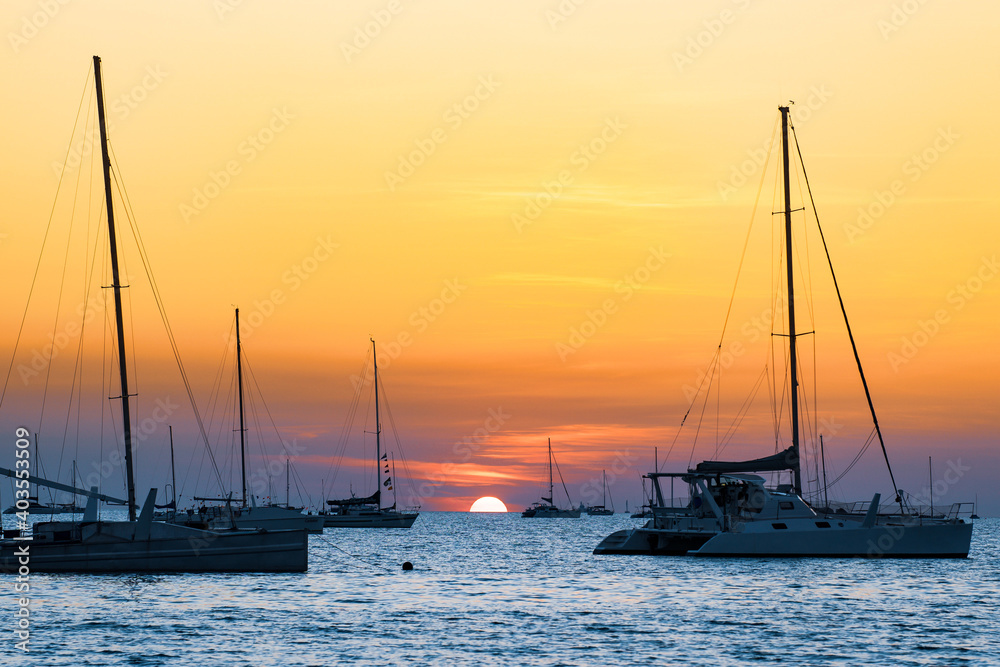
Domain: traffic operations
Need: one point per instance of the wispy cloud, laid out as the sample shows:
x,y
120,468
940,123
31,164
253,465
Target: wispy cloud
x,y
586,282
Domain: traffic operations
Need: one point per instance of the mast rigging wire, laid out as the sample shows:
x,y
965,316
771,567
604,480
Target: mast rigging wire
x,y
725,323
850,334
48,228
123,194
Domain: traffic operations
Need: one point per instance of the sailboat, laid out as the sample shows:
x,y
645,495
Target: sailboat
x,y
602,509
245,513
732,512
546,509
33,505
368,512
140,544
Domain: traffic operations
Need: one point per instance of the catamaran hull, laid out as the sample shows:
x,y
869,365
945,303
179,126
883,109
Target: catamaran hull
x,y
763,540
651,542
940,540
168,549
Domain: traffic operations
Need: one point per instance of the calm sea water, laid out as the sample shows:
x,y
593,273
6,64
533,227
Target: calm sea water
x,y
498,589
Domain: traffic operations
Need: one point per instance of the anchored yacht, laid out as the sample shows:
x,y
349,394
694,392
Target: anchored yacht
x,y
729,511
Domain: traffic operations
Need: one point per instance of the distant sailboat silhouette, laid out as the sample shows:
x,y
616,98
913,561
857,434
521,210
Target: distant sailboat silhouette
x,y
368,512
546,509
602,509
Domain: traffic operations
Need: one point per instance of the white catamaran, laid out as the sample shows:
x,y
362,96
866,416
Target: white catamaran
x,y
140,544
732,512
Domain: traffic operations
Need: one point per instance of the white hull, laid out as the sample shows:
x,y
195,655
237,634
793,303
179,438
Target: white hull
x,y
736,516
371,519
760,540
113,546
651,542
843,539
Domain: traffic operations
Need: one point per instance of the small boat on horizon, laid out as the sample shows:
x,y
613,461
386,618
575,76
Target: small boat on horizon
x,y
546,508
602,509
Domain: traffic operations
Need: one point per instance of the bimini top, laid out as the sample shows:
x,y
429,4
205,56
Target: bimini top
x,y
785,460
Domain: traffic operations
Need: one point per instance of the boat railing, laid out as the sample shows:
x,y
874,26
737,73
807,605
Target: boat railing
x,y
959,510
678,504
918,511
855,507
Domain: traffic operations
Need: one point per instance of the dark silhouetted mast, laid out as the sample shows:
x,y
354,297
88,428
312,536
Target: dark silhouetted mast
x,y
173,474
239,382
551,497
116,285
378,426
793,361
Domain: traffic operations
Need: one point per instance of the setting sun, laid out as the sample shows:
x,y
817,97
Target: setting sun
x,y
488,504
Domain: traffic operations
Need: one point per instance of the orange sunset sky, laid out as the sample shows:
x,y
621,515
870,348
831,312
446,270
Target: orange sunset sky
x,y
478,185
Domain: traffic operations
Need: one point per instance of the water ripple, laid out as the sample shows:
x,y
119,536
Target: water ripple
x,y
501,590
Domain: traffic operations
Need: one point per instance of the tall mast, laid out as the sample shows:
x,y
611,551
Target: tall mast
x,y
822,455
930,479
173,475
793,361
551,497
378,427
116,285
393,458
239,382
37,470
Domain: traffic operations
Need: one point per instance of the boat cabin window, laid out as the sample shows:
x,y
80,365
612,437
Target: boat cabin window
x,y
779,526
822,524
785,505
